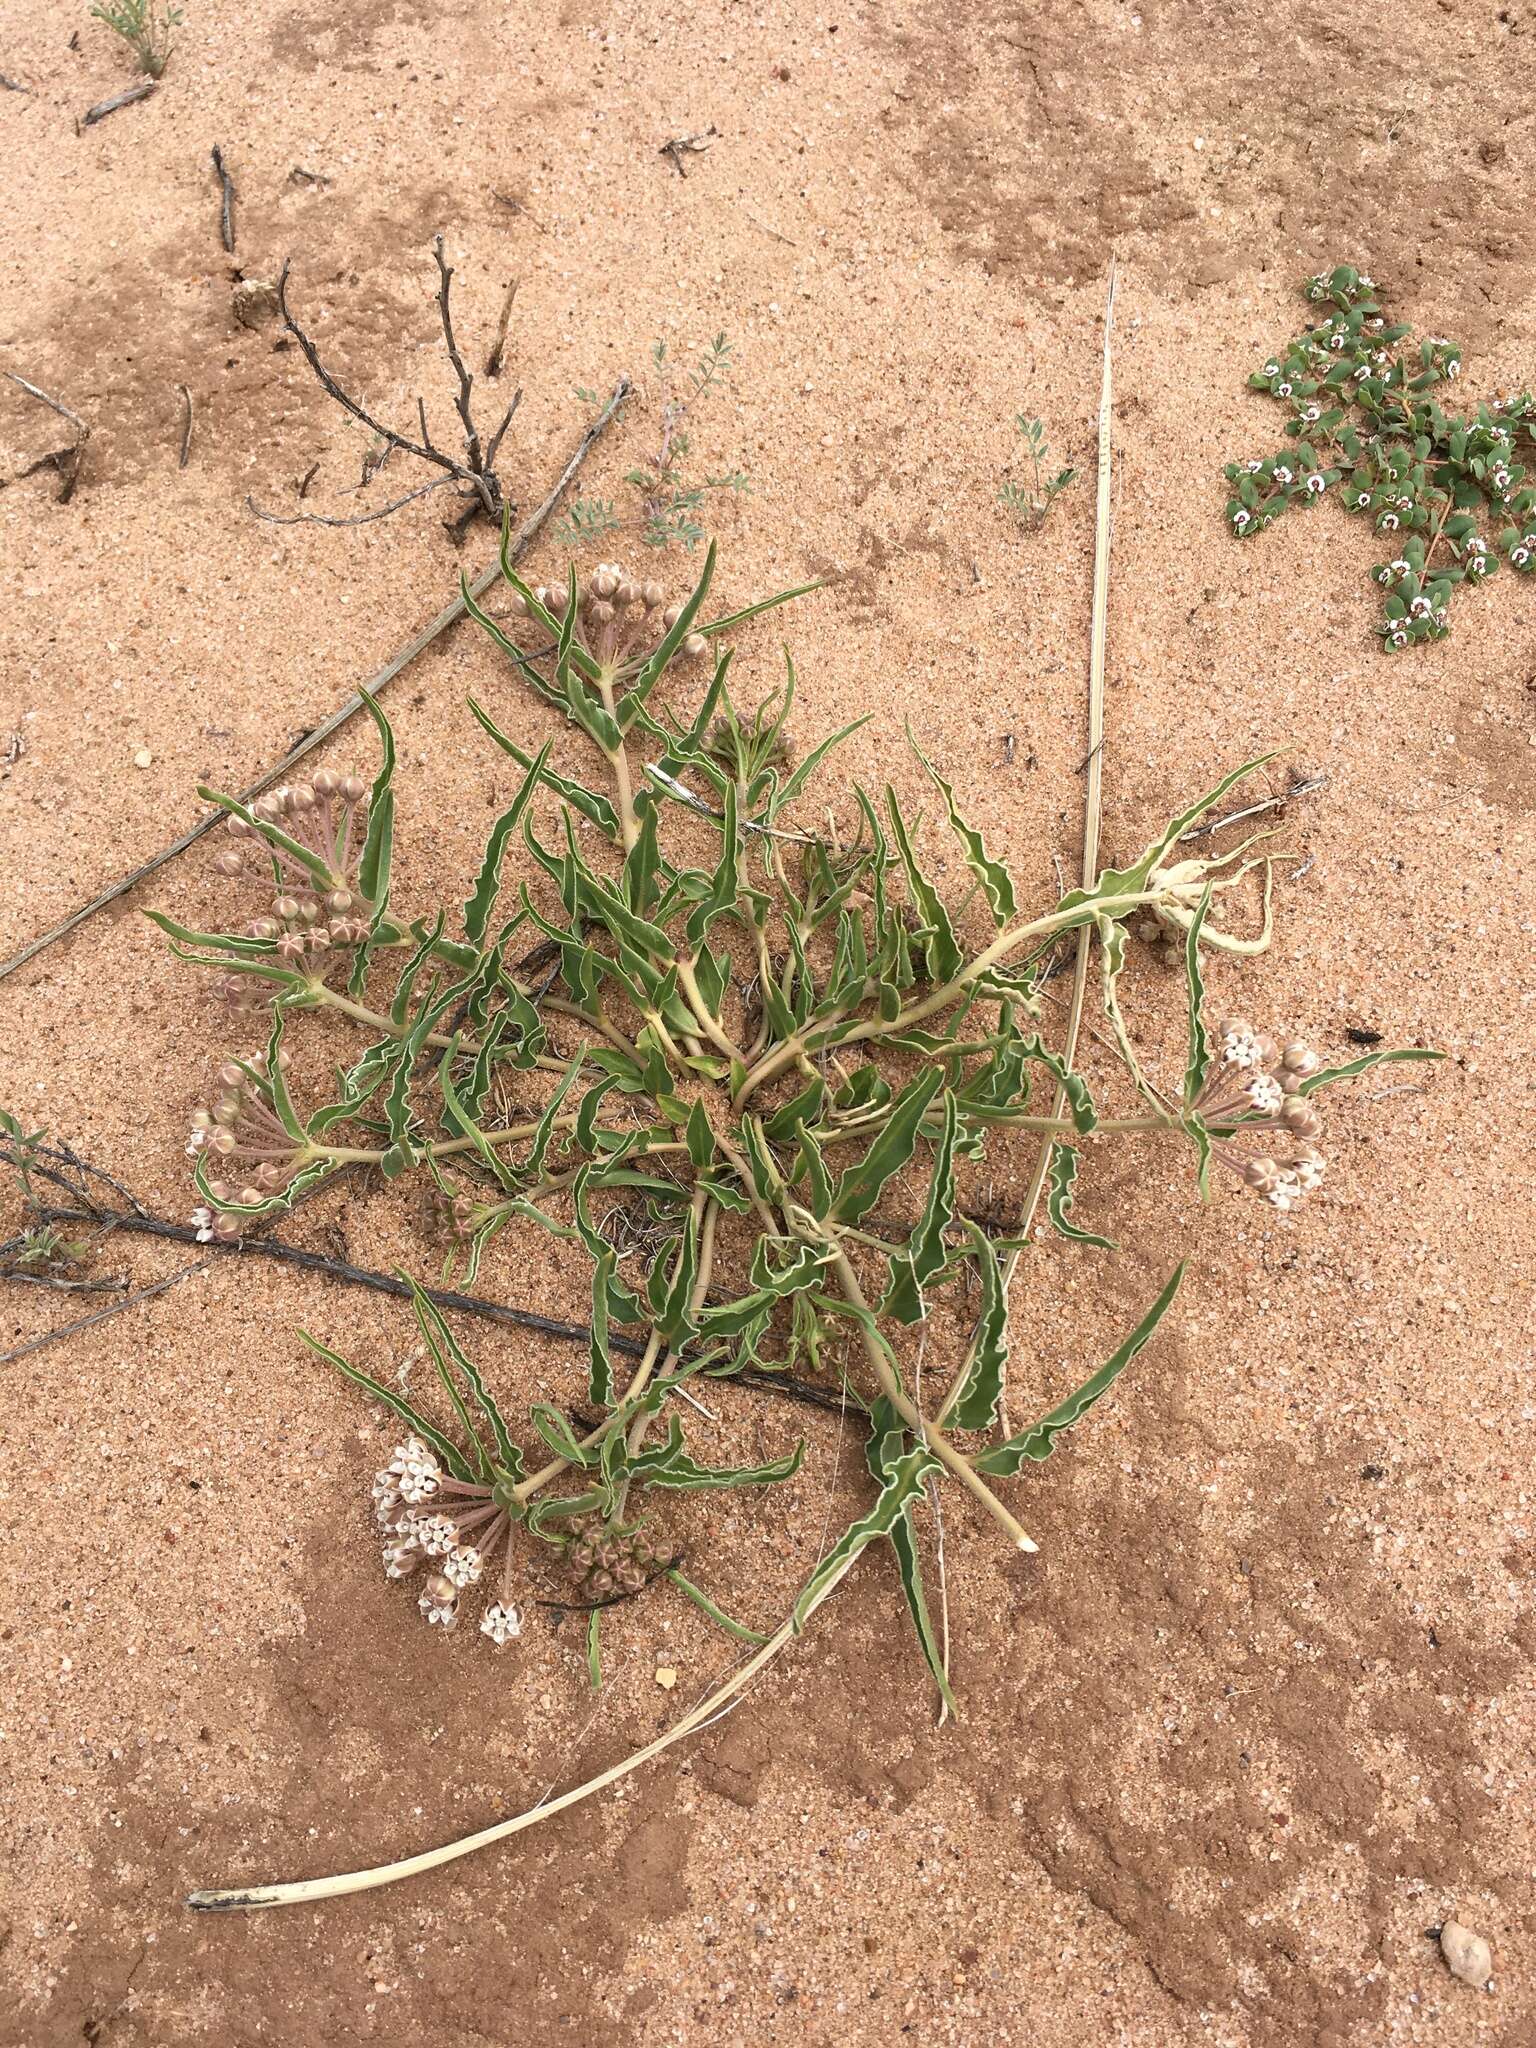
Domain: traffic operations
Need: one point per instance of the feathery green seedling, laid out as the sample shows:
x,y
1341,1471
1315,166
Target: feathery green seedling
x,y
669,502
1361,417
1029,503
146,28
729,1062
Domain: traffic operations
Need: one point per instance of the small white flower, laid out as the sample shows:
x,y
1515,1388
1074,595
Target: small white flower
x,y
463,1565
1282,474
500,1623
1453,366
1421,607
1317,484
1398,567
1399,639
202,1223
1264,1093
1362,497
1254,466
1284,390
1388,522
1240,520
1519,556
1271,369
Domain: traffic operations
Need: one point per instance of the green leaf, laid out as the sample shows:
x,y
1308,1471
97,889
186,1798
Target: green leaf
x,y
904,1481
373,868
590,804
976,1405
682,1473
859,1187
992,875
600,1373
632,701
479,906
725,888
1064,1165
447,1454
446,1350
944,956
882,1450
752,611
700,1137
1038,1443
1326,1076
925,1255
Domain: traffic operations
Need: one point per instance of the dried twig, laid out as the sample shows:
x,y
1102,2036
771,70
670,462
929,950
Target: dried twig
x,y
401,659
65,462
497,356
184,454
516,206
475,475
126,98
140,1225
1304,786
102,1315
687,145
226,201
12,84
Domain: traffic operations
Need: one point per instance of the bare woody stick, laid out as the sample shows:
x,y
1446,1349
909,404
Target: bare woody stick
x,y
401,659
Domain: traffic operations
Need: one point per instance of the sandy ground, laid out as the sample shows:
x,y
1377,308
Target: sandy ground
x,y
1261,1711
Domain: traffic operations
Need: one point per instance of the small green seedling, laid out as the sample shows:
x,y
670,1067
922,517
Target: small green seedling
x,y
669,501
147,29
1030,503
1364,426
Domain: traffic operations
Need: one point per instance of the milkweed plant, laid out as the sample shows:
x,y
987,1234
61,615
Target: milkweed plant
x,y
740,1039
1363,424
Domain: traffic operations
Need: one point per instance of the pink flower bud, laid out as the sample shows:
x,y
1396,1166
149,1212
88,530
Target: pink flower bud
x,y
695,644
231,862
354,789
327,783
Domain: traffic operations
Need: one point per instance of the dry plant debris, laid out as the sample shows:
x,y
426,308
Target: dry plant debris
x,y
472,475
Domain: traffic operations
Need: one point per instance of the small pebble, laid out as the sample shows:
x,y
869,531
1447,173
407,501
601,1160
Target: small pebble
x,y
666,1677
1467,1955
143,758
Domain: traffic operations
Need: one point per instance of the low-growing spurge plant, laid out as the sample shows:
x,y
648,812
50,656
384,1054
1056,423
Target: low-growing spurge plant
x,y
147,29
668,498
1030,502
706,1049
1361,417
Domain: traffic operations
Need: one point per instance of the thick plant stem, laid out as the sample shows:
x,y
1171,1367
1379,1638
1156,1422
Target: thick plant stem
x,y
1093,802
953,1461
253,1898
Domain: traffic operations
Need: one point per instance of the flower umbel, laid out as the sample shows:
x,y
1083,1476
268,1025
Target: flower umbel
x,y
1253,1090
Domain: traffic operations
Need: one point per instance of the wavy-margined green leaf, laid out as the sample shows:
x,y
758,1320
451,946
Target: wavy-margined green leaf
x,y
925,1255
904,1481
1326,1076
755,610
373,867
725,887
1113,883
976,1404
446,1348
560,1437
588,802
1038,1442
882,1450
945,958
633,700
677,1470
482,899
600,1368
218,942
1199,1055
448,1454
992,875
1058,1199
859,1187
